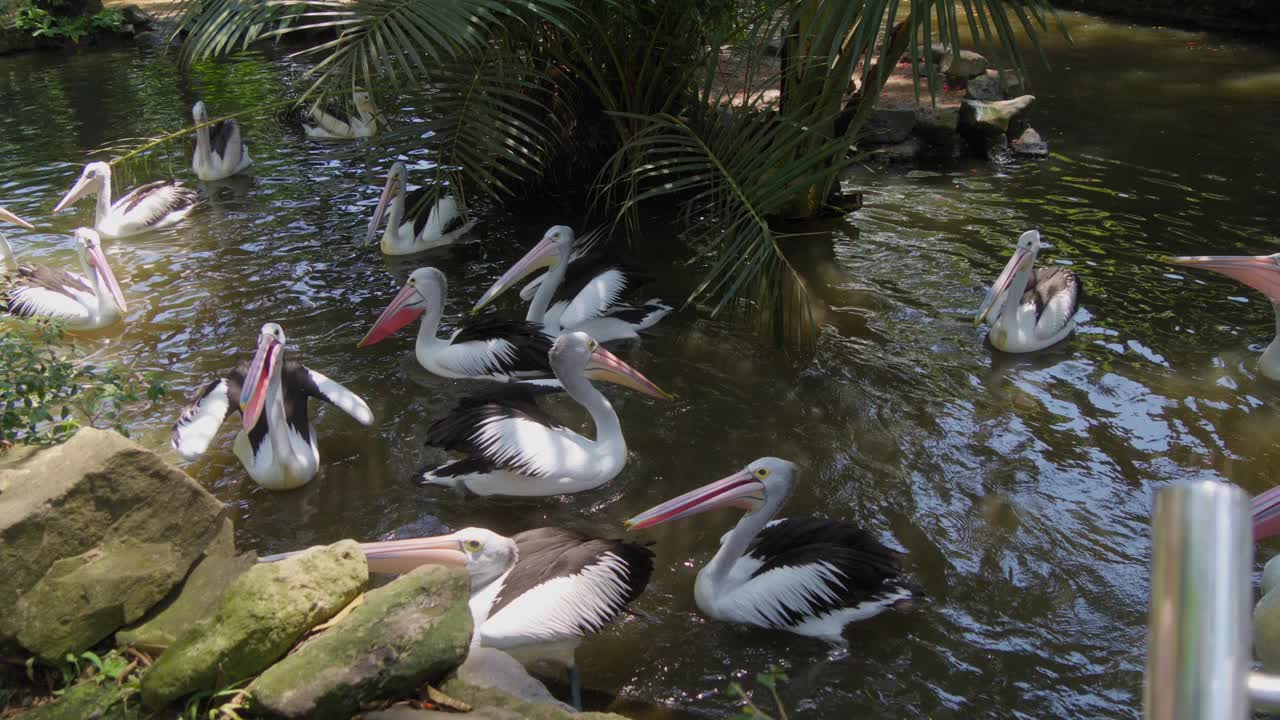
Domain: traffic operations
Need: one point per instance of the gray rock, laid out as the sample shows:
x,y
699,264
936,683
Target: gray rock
x,y
984,87
259,617
962,65
886,126
98,701
1271,575
1012,84
905,151
937,125
1030,143
992,118
409,632
137,17
93,533
492,668
488,704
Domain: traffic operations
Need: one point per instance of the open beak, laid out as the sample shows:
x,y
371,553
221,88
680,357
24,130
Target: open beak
x,y
1001,285
77,191
9,217
404,309
397,557
1266,514
606,366
1259,272
99,262
254,395
389,193
543,255
741,490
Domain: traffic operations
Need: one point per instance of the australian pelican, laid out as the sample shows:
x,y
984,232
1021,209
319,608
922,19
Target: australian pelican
x,y
514,447
152,206
535,595
810,576
1034,308
1260,272
220,151
276,443
87,301
483,348
333,123
425,226
597,286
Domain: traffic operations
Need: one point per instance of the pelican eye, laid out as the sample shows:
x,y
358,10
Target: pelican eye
x,y
471,545
762,473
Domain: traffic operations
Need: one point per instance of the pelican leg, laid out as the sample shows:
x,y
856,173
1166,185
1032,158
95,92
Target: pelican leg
x,y
575,688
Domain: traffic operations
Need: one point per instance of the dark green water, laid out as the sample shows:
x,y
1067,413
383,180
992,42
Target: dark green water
x,y
1019,486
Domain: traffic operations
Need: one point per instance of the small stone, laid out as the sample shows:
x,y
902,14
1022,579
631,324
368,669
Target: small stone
x,y
1012,83
886,126
137,17
1030,143
493,668
992,118
984,87
964,65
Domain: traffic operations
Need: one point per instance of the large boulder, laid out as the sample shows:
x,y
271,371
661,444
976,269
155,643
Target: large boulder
x,y
992,118
489,704
91,699
93,533
937,125
411,631
888,125
259,617
985,87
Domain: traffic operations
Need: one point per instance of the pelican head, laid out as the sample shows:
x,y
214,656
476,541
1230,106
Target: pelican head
x,y
485,554
552,251
423,286
768,479
397,178
1024,256
1260,272
577,353
12,219
363,102
264,368
92,179
89,247
198,112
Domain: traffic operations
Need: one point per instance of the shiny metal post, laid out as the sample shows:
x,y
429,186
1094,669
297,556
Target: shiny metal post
x,y
1199,649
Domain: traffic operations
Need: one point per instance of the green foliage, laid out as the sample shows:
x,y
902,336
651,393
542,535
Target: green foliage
x,y
47,393
224,704
749,710
43,19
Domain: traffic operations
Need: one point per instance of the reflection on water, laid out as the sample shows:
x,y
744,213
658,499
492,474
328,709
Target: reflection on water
x,y
1019,486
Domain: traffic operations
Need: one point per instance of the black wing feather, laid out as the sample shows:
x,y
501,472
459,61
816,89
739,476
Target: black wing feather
x,y
584,269
40,276
457,431
531,344
1048,282
220,134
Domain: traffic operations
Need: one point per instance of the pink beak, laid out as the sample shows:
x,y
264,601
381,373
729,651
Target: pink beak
x,y
397,557
1259,272
741,490
544,254
254,395
604,365
1266,514
99,262
9,217
399,313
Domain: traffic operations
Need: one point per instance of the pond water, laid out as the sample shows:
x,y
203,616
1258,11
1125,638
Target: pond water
x,y
1020,487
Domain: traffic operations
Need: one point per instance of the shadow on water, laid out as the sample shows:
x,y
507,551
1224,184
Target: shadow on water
x,y
1019,486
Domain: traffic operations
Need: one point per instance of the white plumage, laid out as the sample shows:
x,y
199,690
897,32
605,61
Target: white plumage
x,y
149,207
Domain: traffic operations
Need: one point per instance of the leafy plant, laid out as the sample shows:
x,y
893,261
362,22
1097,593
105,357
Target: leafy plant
x,y
45,22
749,710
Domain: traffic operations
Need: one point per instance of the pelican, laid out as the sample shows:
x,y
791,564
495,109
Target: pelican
x,y
150,207
336,124
535,595
424,228
598,286
1260,272
276,443
483,348
87,301
514,448
810,576
220,151
1033,308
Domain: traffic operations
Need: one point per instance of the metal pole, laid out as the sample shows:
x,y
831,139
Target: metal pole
x,y
1198,644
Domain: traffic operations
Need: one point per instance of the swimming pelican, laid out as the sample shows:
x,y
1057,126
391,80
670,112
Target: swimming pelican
x,y
424,228
276,443
535,595
514,448
220,151
149,207
483,348
1033,308
336,124
87,301
597,285
1260,272
810,576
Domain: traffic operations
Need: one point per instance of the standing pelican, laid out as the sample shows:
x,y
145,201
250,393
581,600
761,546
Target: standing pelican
x,y
1260,272
514,448
424,227
598,286
87,301
150,207
1033,308
336,124
483,348
810,576
276,443
220,151
535,595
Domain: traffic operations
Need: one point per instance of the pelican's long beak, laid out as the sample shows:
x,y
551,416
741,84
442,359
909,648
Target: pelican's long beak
x,y
1011,268
99,262
740,490
1259,272
253,396
404,309
82,187
389,193
606,366
397,557
543,255
1266,514
9,217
